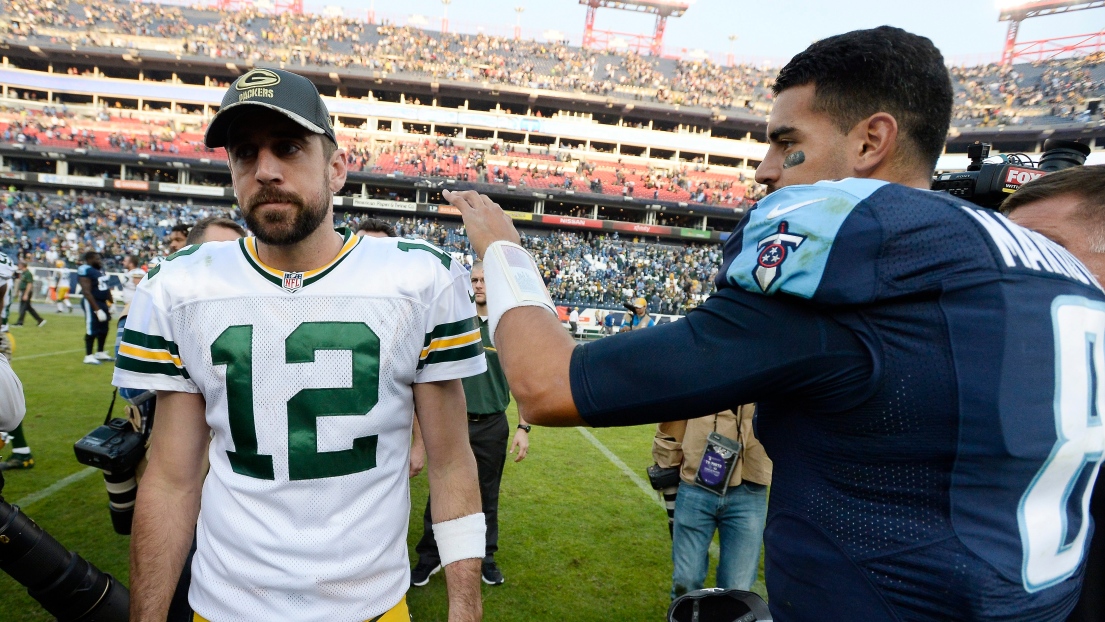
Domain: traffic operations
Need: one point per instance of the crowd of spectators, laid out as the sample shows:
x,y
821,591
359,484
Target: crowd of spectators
x,y
54,230
107,130
995,94
986,94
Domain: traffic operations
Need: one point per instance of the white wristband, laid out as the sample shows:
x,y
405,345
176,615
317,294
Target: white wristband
x,y
461,538
513,280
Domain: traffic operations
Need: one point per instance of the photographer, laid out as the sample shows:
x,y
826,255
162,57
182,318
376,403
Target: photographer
x,y
724,475
862,316
1068,207
637,316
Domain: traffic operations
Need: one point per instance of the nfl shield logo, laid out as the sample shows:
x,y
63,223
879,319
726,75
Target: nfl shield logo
x,y
293,281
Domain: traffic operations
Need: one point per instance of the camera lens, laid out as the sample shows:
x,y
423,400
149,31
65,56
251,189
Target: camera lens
x,y
121,492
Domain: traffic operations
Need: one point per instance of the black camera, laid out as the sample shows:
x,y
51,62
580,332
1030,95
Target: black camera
x,y
67,586
115,448
988,184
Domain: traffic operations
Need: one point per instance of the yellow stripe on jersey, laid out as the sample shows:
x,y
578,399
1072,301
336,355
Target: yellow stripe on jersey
x,y
398,613
444,343
152,356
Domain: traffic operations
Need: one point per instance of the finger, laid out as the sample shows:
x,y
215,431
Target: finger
x,y
457,200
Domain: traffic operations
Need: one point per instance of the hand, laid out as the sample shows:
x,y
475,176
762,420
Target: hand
x,y
418,461
101,315
484,220
521,442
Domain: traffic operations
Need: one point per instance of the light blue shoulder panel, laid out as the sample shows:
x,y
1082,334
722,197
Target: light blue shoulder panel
x,y
790,234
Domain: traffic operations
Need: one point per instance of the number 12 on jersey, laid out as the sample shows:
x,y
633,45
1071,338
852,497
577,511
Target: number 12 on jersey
x,y
234,348
1062,487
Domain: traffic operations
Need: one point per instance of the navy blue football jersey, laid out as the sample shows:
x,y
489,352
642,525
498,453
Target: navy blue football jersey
x,y
100,287
928,383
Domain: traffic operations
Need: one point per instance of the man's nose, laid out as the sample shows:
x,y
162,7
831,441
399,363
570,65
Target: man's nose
x,y
269,167
767,173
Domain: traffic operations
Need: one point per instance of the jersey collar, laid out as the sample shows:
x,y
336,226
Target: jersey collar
x,y
294,281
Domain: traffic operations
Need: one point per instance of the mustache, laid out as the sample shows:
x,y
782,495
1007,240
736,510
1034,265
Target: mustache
x,y
272,194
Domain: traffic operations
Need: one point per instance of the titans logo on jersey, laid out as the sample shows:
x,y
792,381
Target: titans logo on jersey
x,y
775,249
958,485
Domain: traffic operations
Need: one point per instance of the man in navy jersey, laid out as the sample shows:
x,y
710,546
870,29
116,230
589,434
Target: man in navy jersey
x,y
926,371
96,302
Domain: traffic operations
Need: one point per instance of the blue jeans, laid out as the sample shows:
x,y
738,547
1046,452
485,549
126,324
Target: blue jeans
x,y
739,517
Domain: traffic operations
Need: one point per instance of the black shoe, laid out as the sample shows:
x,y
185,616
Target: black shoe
x,y
423,571
490,573
18,461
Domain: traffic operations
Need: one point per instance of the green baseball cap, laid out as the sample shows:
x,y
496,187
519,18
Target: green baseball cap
x,y
290,94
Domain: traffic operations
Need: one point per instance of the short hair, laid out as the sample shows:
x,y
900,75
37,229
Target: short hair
x,y
377,225
1084,183
477,265
181,227
195,236
884,69
90,254
135,260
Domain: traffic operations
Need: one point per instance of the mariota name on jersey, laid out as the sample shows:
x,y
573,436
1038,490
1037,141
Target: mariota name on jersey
x,y
1030,249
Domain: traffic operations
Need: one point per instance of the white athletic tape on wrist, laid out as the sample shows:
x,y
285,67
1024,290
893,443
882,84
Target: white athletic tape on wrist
x,y
461,538
512,281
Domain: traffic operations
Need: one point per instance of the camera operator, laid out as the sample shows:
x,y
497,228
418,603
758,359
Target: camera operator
x,y
637,316
862,316
1069,208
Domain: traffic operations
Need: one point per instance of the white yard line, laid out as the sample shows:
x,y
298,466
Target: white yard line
x,y
649,492
38,356
652,494
56,486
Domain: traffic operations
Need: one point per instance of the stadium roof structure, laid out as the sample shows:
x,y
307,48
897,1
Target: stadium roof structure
x,y
663,9
1016,11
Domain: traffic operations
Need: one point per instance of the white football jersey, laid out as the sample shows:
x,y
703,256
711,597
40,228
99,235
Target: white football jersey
x,y
7,271
308,382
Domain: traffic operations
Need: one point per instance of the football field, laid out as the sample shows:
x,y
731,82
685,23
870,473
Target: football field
x,y
581,535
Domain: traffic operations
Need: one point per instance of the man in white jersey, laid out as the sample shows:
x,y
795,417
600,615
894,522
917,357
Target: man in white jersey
x,y
302,352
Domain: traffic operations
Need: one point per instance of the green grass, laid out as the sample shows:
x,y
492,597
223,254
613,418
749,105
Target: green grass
x,y
578,539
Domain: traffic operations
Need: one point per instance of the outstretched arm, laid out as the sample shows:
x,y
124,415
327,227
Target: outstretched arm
x,y
454,488
534,349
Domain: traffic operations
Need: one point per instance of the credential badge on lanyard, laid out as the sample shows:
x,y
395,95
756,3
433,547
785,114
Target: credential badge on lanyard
x,y
717,463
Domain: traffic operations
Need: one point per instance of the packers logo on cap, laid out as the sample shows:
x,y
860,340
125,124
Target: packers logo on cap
x,y
255,83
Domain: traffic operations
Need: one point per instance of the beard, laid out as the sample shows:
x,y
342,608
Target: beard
x,y
280,228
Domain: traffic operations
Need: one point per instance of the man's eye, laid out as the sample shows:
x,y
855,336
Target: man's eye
x,y
242,153
288,148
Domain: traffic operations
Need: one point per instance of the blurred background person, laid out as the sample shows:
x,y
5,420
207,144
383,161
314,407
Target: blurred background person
x,y
26,290
1068,207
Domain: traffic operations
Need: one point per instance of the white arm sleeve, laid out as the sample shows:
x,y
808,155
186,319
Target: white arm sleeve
x,y
12,404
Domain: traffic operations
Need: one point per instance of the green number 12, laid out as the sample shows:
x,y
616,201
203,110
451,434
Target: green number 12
x,y
234,348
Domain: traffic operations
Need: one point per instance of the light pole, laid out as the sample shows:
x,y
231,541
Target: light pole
x,y
518,24
372,12
445,16
732,40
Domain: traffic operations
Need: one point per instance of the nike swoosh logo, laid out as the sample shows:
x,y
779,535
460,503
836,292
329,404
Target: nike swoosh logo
x,y
779,211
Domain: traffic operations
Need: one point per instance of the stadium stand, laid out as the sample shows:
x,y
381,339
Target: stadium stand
x,y
592,270
1053,91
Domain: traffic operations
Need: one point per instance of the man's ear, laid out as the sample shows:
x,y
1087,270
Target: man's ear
x,y
876,143
337,170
